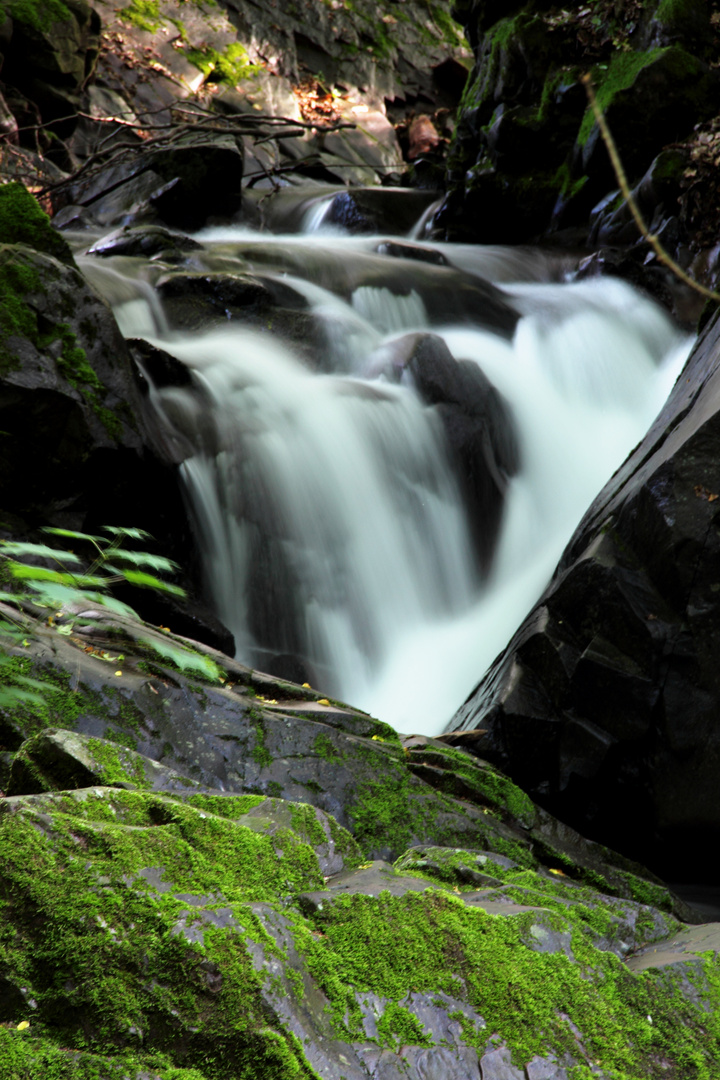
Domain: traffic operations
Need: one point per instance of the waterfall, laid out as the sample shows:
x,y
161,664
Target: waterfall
x,y
328,508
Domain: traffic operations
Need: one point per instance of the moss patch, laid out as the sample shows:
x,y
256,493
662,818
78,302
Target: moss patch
x,y
22,221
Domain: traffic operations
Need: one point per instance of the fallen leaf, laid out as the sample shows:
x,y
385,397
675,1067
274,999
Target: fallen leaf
x,y
23,1025
323,701
118,672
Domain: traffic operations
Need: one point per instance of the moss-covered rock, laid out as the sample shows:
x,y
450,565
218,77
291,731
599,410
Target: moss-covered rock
x,y
22,221
195,938
527,156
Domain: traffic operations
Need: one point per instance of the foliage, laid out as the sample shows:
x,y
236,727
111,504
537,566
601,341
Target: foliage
x,y
57,587
70,585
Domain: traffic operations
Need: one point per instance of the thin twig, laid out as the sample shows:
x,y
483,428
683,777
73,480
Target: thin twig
x,y
622,180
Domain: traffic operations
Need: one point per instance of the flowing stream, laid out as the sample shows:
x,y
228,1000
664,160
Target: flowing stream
x,y
330,515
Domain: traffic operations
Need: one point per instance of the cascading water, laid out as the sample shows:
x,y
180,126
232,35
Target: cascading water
x,y
329,514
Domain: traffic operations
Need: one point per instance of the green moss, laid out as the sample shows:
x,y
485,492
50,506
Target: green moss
x,y
325,748
128,958
397,1027
230,66
145,14
305,823
260,753
424,942
22,221
17,279
491,787
618,75
380,813
37,15
116,765
226,806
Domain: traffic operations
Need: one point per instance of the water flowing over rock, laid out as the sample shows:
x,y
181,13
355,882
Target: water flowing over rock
x,y
603,704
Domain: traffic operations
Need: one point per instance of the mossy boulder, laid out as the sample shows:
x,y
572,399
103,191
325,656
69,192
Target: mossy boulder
x,y
189,938
527,157
22,221
193,717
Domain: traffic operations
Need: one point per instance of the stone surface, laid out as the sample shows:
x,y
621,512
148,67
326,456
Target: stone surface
x,y
191,909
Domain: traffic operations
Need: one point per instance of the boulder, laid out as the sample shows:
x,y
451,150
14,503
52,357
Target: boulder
x,y
479,429
603,705
178,183
392,211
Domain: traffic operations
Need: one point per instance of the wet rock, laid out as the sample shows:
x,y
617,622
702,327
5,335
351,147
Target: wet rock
x,y
198,301
412,251
392,211
479,429
177,185
146,241
61,760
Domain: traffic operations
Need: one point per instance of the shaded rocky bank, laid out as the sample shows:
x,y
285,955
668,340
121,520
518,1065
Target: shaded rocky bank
x,y
528,162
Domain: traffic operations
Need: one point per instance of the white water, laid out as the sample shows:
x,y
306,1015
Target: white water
x,y
329,518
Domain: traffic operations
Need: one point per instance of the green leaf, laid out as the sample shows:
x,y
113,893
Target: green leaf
x,y
54,595
11,547
41,573
149,581
144,558
131,534
13,695
9,597
76,535
112,604
184,659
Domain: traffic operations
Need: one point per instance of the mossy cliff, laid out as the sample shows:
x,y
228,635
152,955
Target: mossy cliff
x,y
195,883
527,156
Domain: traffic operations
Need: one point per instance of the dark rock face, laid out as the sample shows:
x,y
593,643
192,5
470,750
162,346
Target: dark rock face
x,y
604,704
82,448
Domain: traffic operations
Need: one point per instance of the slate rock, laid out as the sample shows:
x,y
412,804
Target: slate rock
x,y
59,760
